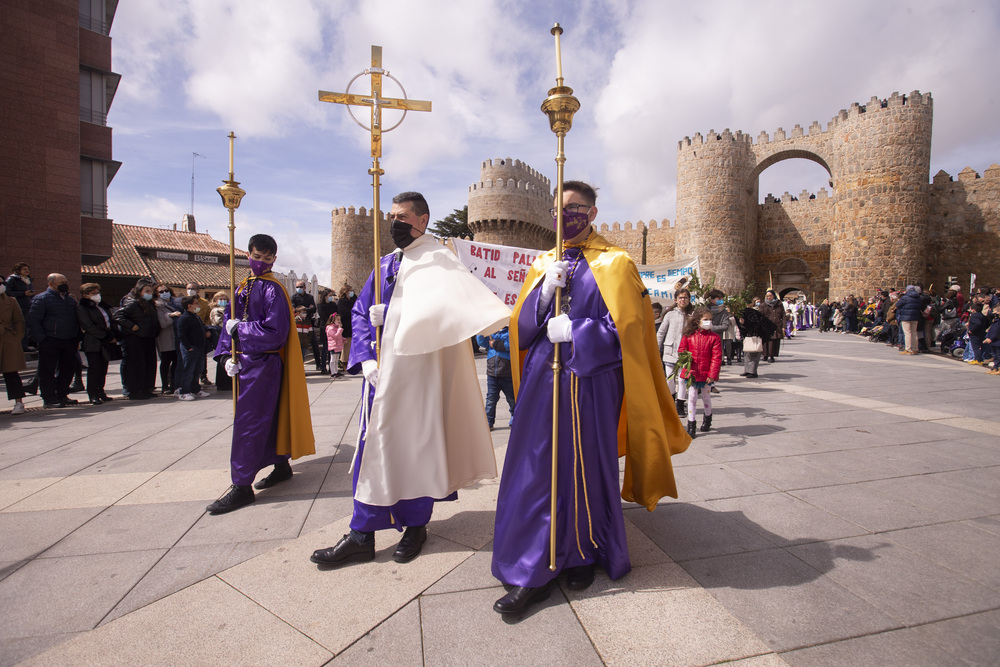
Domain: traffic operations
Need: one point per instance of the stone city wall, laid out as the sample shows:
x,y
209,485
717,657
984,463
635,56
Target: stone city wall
x,y
964,228
794,228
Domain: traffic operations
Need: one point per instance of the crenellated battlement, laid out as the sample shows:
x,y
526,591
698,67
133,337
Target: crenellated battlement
x,y
507,168
805,196
856,110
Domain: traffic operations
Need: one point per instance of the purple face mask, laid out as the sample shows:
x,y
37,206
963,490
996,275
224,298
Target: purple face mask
x,y
260,268
574,223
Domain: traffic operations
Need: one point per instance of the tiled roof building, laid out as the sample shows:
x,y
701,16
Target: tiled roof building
x,y
174,257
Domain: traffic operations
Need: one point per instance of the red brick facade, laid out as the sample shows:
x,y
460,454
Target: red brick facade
x,y
42,138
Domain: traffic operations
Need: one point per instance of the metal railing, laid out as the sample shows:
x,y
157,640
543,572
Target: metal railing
x,y
94,25
94,116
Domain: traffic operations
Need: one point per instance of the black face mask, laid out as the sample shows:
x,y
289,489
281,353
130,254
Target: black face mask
x,y
400,232
64,288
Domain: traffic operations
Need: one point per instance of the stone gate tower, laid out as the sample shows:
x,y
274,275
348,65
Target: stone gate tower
x,y
352,249
510,205
878,158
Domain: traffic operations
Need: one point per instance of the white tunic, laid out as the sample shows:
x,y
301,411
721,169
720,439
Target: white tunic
x,y
427,434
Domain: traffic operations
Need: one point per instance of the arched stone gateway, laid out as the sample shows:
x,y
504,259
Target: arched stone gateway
x,y
871,232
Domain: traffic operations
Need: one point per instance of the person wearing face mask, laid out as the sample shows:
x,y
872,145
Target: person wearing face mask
x,y
325,308
272,421
303,299
139,325
204,313
773,310
95,320
668,338
613,401
423,430
166,341
11,355
217,316
345,306
53,326
191,337
705,347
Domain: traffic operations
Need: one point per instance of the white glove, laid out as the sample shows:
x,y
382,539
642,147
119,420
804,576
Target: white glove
x,y
560,329
555,276
232,367
376,314
369,368
231,324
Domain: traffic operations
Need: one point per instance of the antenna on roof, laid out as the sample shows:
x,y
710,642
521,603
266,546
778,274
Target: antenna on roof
x,y
193,156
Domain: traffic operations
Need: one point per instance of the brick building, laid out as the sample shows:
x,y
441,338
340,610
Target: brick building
x,y
55,68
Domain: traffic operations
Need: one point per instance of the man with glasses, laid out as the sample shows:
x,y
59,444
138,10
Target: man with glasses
x,y
611,383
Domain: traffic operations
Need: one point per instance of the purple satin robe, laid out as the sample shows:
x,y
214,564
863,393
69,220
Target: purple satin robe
x,y
411,512
259,382
590,526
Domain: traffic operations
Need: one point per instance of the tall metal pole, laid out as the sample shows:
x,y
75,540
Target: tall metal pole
x,y
560,106
232,194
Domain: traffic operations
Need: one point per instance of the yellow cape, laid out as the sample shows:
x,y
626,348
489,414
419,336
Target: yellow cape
x,y
649,430
295,432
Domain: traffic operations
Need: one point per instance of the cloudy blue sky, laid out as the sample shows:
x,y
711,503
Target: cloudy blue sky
x,y
647,72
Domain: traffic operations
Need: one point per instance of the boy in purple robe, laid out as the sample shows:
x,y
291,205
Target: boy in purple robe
x,y
272,421
610,361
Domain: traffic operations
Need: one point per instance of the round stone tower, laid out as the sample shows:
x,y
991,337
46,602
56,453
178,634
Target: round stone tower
x,y
510,205
352,251
882,154
717,207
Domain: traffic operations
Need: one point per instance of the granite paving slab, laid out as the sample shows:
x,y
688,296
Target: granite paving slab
x,y
206,624
29,534
958,546
396,642
897,648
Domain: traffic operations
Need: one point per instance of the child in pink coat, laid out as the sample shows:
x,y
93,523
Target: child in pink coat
x,y
334,341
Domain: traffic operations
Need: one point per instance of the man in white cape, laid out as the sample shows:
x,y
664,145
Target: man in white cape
x,y
423,433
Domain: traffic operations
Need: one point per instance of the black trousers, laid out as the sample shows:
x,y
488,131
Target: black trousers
x,y
771,347
57,361
97,374
168,368
15,389
139,364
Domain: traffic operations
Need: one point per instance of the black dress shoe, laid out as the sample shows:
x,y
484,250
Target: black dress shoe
x,y
106,398
409,547
751,375
346,551
281,472
520,598
53,405
77,388
96,401
237,497
743,375
579,578
69,401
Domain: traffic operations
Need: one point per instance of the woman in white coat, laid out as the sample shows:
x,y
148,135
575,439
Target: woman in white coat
x,y
668,338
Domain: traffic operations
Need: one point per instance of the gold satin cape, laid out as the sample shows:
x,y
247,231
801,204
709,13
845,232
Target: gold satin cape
x,y
649,430
295,433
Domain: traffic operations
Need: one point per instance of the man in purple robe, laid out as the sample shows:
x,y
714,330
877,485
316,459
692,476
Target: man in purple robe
x,y
605,309
272,421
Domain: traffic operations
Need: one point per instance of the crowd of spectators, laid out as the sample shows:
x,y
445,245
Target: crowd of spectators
x,y
152,323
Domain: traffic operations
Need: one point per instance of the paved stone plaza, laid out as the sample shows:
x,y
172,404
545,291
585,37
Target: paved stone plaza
x,y
845,510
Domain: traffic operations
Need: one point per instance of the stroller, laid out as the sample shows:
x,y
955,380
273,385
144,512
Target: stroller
x,y
953,340
876,334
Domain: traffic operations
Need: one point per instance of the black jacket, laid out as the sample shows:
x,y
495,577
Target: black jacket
x,y
344,307
306,300
190,332
53,315
756,324
141,313
95,330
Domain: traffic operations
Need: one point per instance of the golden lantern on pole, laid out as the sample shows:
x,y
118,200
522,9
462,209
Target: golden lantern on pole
x,y
559,106
232,194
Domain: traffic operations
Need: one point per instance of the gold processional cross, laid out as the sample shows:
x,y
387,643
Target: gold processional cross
x,y
376,102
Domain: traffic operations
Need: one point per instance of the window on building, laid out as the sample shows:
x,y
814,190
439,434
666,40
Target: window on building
x,y
93,16
93,98
93,188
